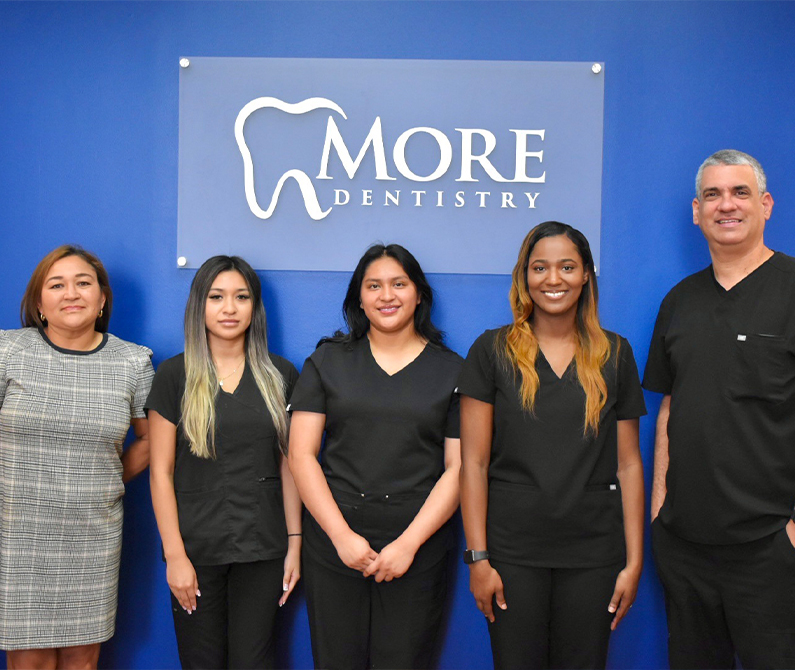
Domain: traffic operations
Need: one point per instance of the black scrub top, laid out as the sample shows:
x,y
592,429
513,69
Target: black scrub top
x,y
384,441
230,508
554,498
727,359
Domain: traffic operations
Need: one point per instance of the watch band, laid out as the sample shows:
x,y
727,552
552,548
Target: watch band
x,y
471,556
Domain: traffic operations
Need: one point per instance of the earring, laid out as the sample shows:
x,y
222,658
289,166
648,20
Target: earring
x,y
99,316
42,317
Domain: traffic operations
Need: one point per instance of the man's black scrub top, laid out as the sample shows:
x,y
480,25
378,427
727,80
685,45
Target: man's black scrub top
x,y
727,359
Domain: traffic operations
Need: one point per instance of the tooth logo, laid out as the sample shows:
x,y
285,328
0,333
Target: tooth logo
x,y
304,182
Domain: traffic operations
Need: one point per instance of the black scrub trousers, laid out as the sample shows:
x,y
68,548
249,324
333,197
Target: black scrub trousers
x,y
384,452
231,518
727,359
555,525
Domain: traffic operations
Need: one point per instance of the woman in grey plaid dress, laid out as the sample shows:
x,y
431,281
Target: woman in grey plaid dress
x,y
68,394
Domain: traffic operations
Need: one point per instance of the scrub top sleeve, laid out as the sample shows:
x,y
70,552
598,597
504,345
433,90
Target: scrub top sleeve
x,y
453,426
629,403
292,380
658,376
477,375
165,397
308,394
143,383
288,373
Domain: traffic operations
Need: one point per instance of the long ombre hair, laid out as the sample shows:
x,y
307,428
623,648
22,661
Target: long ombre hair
x,y
520,345
201,379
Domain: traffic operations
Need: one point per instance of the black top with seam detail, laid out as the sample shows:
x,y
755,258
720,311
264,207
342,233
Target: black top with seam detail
x,y
230,507
554,498
384,441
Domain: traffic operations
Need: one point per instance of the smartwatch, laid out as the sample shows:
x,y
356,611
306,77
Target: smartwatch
x,y
471,556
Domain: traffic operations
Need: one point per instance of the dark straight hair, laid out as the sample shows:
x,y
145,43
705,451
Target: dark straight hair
x,y
356,320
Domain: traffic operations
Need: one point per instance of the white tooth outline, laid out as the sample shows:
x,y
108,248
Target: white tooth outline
x,y
303,180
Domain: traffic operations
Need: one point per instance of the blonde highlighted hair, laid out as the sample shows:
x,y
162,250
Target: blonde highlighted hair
x,y
201,379
519,346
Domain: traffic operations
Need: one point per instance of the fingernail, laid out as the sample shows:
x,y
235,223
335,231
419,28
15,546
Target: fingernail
x,y
280,604
284,587
198,593
503,606
611,608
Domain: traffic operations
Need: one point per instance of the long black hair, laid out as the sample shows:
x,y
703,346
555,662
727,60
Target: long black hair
x,y
355,319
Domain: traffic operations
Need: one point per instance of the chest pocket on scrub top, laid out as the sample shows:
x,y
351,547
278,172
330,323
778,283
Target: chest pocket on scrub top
x,y
760,368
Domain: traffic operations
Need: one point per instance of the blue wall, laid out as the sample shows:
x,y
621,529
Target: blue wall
x,y
88,153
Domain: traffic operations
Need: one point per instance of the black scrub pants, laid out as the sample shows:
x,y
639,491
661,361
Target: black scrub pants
x,y
359,623
556,617
232,626
727,599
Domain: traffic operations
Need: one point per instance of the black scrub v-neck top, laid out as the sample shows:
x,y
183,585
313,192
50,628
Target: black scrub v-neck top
x,y
384,442
554,498
230,507
727,359
384,434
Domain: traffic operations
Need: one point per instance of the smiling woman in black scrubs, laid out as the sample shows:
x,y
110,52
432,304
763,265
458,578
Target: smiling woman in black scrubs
x,y
377,532
551,478
226,505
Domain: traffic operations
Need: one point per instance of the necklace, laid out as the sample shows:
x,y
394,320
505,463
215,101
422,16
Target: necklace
x,y
221,379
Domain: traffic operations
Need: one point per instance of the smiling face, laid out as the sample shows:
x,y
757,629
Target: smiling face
x,y
71,297
228,309
555,277
730,211
389,298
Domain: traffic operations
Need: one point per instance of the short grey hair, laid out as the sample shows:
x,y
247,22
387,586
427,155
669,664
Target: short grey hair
x,y
732,157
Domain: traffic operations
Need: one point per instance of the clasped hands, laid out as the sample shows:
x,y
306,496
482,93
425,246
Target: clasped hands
x,y
393,561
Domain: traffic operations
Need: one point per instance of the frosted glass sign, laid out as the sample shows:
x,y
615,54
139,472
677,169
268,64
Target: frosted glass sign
x,y
300,164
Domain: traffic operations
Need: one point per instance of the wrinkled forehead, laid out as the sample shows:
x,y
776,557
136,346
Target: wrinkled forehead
x,y
728,177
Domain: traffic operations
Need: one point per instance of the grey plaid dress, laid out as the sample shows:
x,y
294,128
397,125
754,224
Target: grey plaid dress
x,y
63,418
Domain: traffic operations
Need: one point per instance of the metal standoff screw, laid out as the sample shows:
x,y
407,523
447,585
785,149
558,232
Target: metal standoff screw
x,y
182,261
184,62
596,68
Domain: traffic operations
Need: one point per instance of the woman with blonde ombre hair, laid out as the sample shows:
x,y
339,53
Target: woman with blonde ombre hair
x,y
227,509
551,477
69,392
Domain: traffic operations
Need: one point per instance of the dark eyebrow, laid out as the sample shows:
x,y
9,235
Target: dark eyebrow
x,y
366,279
79,274
715,189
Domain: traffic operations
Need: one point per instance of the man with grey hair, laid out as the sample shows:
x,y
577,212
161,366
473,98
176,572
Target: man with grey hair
x,y
723,356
